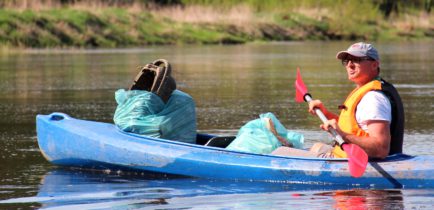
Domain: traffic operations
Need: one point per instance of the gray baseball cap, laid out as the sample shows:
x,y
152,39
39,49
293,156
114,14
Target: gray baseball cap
x,y
360,49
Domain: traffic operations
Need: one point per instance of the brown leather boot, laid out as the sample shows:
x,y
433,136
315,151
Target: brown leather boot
x,y
156,77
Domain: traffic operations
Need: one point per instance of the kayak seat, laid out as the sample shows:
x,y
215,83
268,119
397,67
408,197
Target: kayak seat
x,y
220,141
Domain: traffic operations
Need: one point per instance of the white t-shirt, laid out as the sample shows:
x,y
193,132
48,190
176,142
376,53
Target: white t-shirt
x,y
373,106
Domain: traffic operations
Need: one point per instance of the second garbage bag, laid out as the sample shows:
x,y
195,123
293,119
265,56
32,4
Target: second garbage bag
x,y
264,135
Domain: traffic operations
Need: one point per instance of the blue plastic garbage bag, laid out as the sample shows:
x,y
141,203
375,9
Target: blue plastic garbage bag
x,y
256,138
144,113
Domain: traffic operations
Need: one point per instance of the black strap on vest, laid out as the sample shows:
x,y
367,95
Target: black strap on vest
x,y
397,124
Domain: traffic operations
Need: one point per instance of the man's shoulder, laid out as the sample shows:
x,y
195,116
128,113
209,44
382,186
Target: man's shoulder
x,y
376,95
374,106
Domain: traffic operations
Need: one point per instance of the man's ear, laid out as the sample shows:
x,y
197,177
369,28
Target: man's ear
x,y
376,65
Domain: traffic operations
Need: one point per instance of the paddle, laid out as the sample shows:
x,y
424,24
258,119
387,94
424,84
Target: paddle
x,y
357,157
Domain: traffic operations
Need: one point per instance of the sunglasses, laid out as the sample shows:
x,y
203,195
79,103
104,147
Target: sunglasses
x,y
356,60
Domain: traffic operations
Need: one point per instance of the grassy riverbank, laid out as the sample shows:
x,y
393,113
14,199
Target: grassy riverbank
x,y
47,23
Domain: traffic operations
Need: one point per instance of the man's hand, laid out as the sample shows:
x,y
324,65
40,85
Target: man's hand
x,y
317,104
376,144
332,124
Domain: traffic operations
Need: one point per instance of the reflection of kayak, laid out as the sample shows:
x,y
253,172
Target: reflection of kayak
x,y
72,142
86,190
76,184
68,189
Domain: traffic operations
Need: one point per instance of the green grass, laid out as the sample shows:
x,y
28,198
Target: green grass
x,y
282,20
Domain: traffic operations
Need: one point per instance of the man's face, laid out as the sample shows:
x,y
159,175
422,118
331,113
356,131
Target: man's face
x,y
360,70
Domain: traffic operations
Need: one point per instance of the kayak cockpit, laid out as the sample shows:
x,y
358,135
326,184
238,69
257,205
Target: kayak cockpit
x,y
224,141
214,141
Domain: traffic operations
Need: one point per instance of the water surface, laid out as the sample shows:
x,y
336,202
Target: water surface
x,y
231,85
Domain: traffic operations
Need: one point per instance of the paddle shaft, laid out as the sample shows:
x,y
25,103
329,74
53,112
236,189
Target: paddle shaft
x,y
357,157
324,119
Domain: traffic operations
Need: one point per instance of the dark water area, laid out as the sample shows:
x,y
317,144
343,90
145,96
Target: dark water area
x,y
231,85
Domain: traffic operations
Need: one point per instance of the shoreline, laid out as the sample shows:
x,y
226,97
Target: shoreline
x,y
110,27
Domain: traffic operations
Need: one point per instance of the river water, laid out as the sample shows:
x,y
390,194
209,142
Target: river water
x,y
231,85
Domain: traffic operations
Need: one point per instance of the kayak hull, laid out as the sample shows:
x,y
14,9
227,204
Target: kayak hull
x,y
67,141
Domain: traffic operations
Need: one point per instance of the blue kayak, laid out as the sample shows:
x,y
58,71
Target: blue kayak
x,y
67,141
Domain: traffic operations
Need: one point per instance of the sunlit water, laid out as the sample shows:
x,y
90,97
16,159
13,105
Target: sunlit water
x,y
231,85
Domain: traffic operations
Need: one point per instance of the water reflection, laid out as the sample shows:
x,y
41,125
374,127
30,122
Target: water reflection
x,y
60,187
366,199
66,188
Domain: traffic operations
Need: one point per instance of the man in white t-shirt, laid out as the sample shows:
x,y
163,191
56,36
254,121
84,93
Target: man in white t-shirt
x,y
366,116
372,116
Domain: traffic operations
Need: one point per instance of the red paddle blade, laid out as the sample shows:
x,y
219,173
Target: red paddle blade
x,y
357,159
300,88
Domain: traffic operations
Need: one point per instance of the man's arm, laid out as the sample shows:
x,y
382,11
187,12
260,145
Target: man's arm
x,y
377,144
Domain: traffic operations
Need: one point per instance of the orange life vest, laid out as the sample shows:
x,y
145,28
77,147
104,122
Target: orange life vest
x,y
347,119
